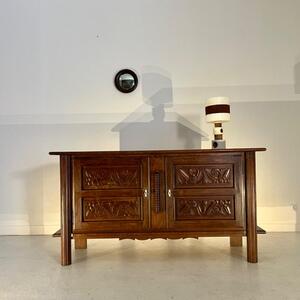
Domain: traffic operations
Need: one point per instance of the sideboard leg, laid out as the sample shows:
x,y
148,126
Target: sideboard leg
x,y
66,209
236,241
80,241
251,208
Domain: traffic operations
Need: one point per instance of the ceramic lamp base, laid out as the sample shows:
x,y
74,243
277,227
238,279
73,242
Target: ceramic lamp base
x,y
218,144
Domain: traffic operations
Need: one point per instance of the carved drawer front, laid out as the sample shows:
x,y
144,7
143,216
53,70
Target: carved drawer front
x,y
110,177
205,207
122,208
200,175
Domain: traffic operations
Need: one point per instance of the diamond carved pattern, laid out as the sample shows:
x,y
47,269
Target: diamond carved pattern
x,y
198,208
111,209
204,176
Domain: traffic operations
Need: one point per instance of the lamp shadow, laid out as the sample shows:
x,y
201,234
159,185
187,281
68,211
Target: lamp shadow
x,y
152,125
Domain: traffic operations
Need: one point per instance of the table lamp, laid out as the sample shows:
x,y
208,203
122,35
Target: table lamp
x,y
217,110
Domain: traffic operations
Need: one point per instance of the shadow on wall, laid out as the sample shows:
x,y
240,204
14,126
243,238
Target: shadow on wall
x,y
154,126
297,77
157,129
297,91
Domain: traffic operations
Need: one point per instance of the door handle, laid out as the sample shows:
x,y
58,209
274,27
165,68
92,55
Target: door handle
x,y
145,193
169,193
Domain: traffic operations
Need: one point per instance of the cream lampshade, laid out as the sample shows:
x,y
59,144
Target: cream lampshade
x,y
217,110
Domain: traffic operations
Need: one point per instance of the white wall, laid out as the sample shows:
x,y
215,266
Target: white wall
x,y
57,63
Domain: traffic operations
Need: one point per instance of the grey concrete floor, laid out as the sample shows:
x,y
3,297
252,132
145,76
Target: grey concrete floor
x,y
155,269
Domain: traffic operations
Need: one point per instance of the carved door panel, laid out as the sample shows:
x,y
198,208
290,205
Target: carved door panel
x,y
205,192
110,194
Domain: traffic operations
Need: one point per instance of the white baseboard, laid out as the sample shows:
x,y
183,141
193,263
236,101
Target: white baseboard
x,y
279,227
19,224
28,229
50,229
277,218
272,219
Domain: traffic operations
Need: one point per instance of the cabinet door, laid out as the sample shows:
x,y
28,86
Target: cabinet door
x,y
109,194
205,192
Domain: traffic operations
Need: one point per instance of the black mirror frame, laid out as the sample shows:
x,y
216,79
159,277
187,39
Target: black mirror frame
x,y
122,72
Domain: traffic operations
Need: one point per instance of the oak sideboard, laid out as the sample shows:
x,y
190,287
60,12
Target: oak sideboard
x,y
158,194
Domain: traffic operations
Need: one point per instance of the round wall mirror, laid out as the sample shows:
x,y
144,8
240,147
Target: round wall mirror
x,y
126,81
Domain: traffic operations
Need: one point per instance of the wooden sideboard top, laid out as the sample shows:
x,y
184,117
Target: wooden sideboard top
x,y
153,152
